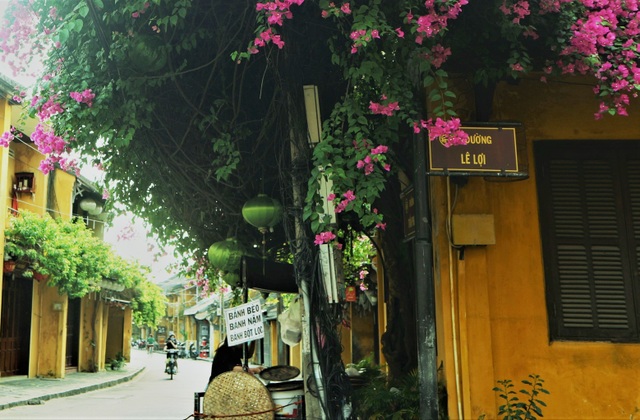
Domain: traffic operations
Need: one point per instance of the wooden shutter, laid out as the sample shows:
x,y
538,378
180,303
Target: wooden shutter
x,y
589,208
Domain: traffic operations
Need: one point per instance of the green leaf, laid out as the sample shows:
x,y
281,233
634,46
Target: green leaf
x,y
83,10
63,35
78,24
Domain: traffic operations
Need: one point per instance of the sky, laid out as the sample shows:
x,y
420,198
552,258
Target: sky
x,y
136,246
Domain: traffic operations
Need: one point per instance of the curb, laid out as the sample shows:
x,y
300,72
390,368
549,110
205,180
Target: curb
x,y
70,392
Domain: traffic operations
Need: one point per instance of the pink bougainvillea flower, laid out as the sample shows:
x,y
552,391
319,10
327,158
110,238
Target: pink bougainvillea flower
x,y
349,195
379,149
84,97
324,237
7,137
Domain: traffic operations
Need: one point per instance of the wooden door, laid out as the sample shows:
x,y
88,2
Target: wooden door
x,y
15,325
73,333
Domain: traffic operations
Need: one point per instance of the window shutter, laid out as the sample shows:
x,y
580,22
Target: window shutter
x,y
588,270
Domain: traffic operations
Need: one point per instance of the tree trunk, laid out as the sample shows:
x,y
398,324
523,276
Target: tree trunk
x,y
399,344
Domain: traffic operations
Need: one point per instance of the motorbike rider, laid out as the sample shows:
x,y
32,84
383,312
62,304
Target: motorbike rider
x,y
171,344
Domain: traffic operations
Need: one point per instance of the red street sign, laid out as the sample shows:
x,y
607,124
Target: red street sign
x,y
350,294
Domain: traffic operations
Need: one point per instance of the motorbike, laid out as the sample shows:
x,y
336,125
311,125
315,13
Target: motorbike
x,y
171,366
193,351
182,350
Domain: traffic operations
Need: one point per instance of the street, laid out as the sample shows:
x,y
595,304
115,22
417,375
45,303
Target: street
x,y
151,395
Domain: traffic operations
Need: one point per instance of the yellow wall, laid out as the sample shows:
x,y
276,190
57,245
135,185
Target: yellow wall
x,y
47,326
5,123
115,332
128,332
93,324
491,305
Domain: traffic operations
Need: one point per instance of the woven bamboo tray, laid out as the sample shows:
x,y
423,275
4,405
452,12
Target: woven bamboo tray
x,y
238,395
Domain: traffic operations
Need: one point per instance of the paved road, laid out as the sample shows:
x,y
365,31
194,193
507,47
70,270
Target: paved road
x,y
150,395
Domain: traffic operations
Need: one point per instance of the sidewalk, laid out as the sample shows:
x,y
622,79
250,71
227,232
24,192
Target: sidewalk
x,y
16,391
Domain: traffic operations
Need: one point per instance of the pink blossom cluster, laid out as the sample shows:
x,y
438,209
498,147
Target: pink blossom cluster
x,y
49,108
362,37
126,233
438,55
84,97
47,141
379,225
376,155
275,11
362,275
137,14
7,137
66,163
604,42
387,108
341,205
449,132
16,53
439,12
324,237
264,38
519,10
333,10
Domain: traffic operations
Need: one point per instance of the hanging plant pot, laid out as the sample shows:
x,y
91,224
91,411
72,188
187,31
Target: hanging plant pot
x,y
225,255
40,277
262,212
9,266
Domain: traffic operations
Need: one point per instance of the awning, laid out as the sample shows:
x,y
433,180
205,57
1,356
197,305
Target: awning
x,y
268,276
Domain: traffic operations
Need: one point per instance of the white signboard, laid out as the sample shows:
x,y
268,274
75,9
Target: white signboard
x,y
244,323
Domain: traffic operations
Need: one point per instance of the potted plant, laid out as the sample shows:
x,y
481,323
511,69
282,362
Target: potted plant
x,y
9,266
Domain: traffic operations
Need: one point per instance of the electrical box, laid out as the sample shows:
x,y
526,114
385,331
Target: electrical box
x,y
473,229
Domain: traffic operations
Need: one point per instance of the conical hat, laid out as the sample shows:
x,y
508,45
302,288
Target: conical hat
x,y
238,393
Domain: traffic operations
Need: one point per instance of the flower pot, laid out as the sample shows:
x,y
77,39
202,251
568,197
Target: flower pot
x,y
40,276
9,266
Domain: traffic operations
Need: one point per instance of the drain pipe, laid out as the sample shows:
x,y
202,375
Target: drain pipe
x,y
425,291
453,296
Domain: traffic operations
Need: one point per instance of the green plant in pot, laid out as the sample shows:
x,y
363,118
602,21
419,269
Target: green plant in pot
x,y
118,361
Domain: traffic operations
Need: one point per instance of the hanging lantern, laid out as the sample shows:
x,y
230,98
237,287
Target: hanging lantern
x,y
147,53
225,255
262,212
232,279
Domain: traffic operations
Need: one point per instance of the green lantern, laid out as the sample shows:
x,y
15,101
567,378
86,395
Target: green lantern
x,y
232,279
226,255
147,53
262,212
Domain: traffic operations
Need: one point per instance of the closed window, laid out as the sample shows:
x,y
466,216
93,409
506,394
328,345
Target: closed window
x,y
589,199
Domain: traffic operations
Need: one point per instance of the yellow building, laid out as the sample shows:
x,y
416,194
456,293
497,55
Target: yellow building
x,y
178,299
540,275
43,332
